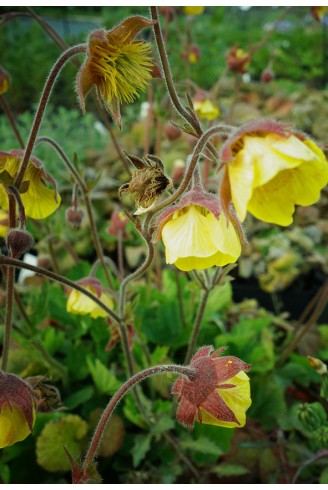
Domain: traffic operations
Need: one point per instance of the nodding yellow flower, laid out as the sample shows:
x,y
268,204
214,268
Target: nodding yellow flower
x,y
17,409
270,169
219,394
4,223
318,13
4,81
117,65
196,235
193,10
205,109
38,200
80,304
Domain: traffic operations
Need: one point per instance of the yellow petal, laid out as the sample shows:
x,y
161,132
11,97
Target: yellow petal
x,y
39,201
13,426
80,304
195,239
238,400
4,222
241,177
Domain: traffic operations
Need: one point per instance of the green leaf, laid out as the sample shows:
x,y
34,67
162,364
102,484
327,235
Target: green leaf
x,y
226,469
163,424
105,381
132,412
4,473
202,445
140,448
268,403
79,397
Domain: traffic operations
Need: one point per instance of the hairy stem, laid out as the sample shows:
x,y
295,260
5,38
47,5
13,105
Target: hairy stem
x,y
132,382
87,201
58,278
9,309
61,61
197,324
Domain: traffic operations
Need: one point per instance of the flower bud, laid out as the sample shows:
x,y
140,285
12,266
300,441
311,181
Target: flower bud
x,y
17,409
118,224
19,242
321,437
311,415
267,75
74,217
4,80
238,60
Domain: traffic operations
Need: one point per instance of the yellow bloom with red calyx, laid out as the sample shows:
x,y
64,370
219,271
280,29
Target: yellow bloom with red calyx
x,y
4,81
238,59
197,235
218,395
193,10
80,304
17,409
269,169
4,223
318,13
117,65
38,200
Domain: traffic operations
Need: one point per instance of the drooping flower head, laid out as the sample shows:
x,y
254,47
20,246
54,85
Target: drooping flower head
x,y
196,234
38,200
80,304
117,65
204,107
238,60
219,394
17,409
269,169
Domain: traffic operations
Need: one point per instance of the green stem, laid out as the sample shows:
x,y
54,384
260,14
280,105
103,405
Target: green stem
x,y
130,383
9,309
61,61
197,324
87,201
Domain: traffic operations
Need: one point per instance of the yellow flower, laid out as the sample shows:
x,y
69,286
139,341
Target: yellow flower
x,y
117,65
198,237
4,81
270,170
218,395
319,13
193,10
38,200
80,304
4,223
17,410
206,109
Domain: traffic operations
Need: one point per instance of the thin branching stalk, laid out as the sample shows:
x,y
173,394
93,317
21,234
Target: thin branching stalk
x,y
60,279
87,201
130,383
8,318
61,61
197,324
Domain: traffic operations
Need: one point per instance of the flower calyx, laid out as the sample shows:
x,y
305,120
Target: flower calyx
x,y
219,393
148,182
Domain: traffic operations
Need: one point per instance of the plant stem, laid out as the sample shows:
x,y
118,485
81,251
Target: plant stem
x,y
61,61
323,453
320,306
188,116
197,324
63,280
11,120
130,383
87,201
9,309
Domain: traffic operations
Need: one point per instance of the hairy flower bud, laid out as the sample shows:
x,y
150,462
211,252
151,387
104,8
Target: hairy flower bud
x,y
19,242
74,216
267,75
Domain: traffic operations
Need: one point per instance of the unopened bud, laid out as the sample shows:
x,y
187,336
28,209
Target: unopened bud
x,y
74,217
321,437
267,75
19,242
312,416
318,365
